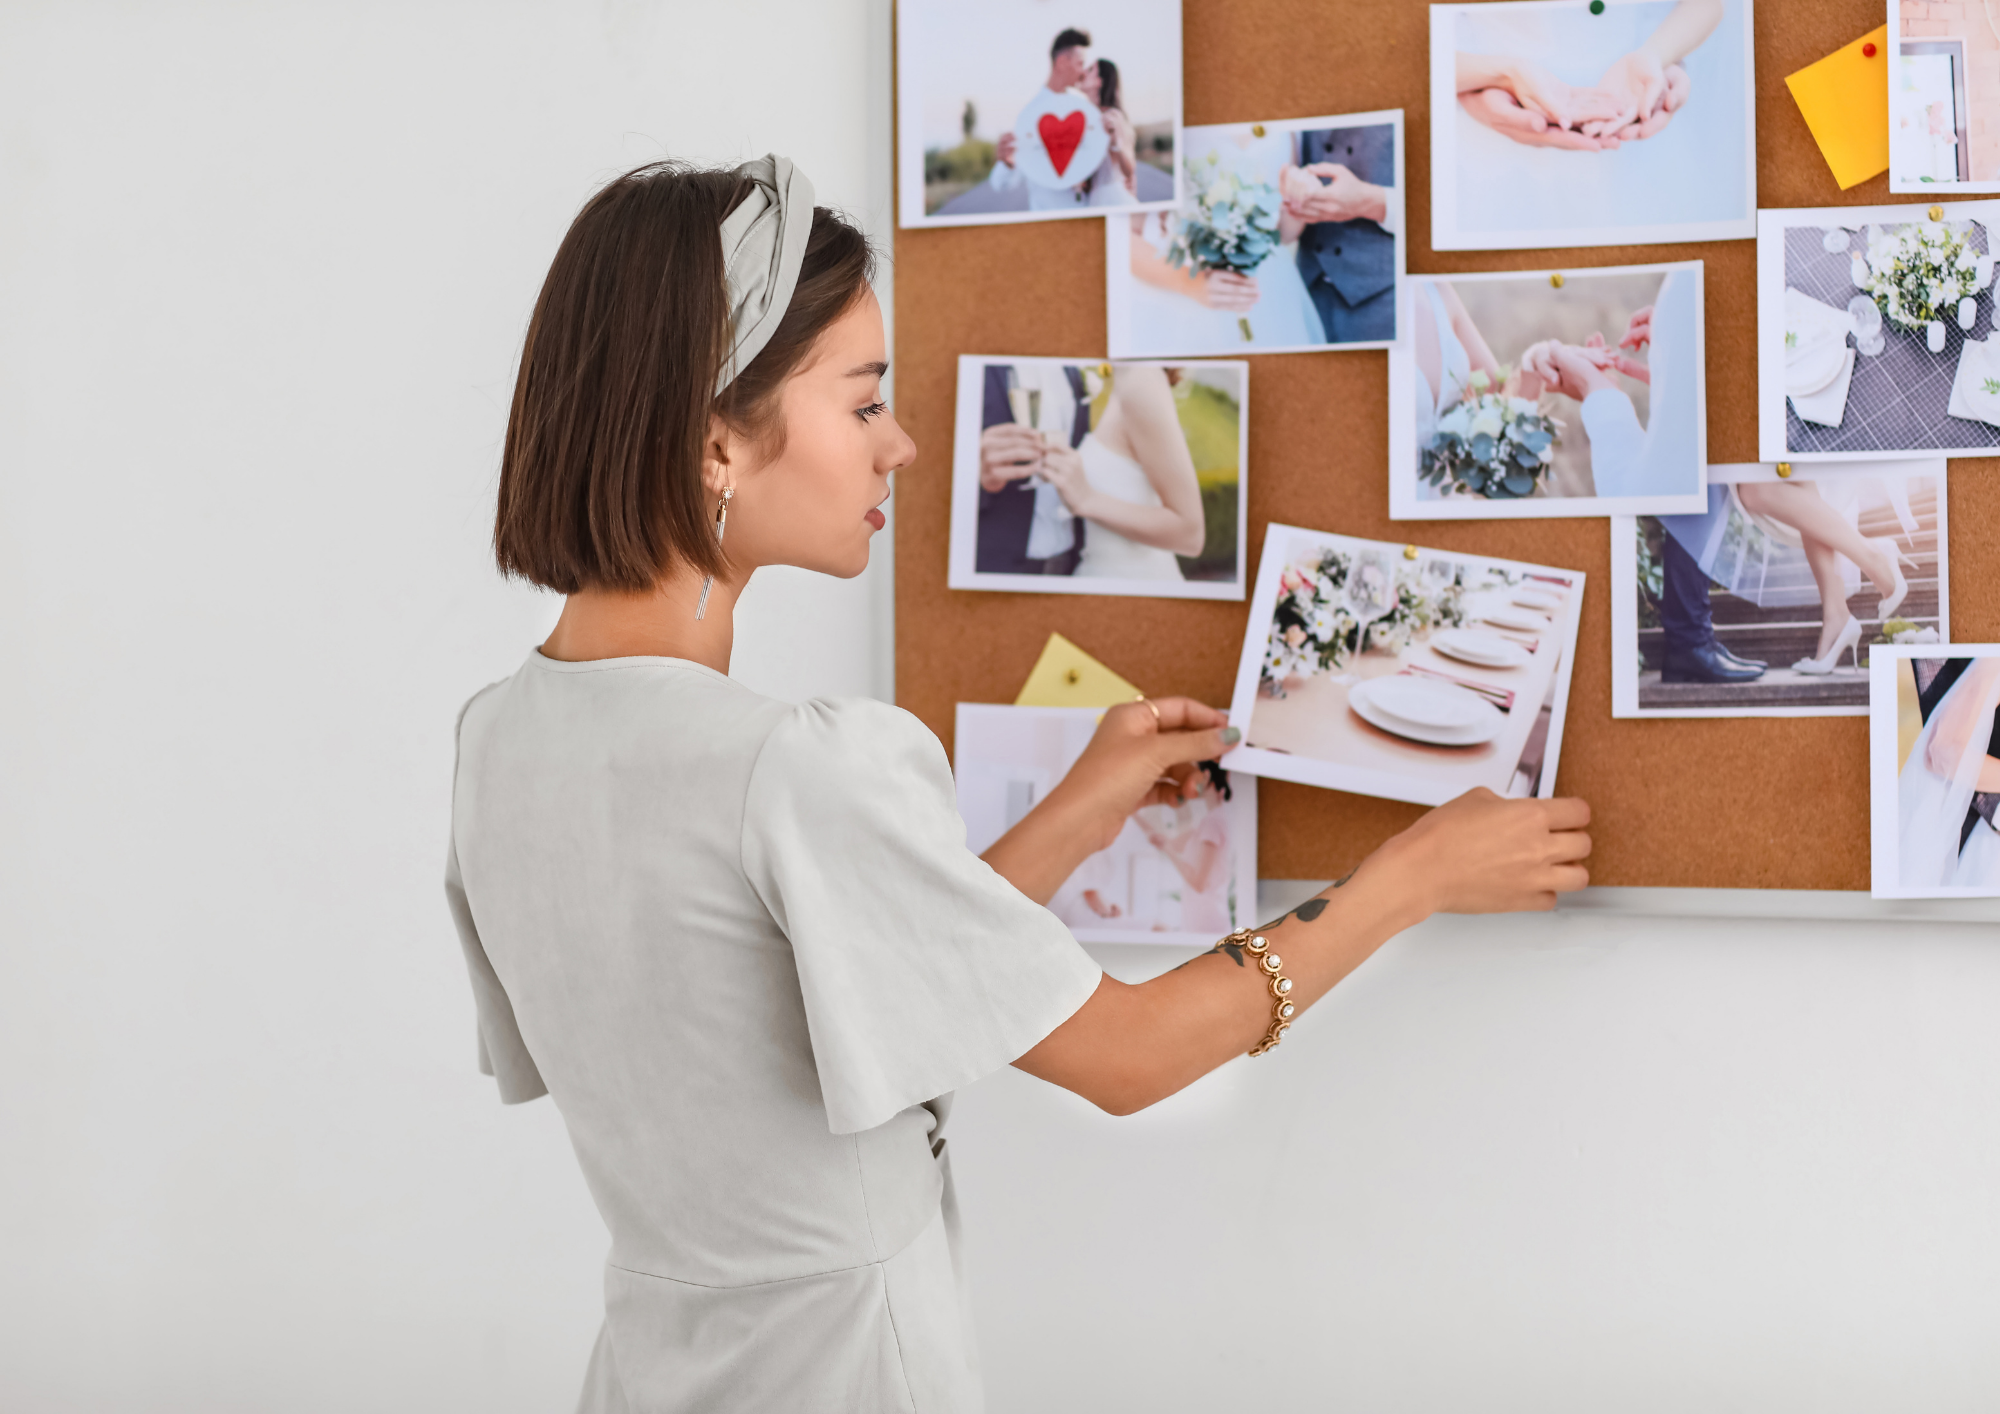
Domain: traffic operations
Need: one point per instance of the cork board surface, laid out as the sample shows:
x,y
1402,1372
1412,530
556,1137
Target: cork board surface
x,y
1717,803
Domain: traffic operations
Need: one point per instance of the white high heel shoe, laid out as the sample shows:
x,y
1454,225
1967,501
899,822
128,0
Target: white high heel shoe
x,y
1848,640
1893,600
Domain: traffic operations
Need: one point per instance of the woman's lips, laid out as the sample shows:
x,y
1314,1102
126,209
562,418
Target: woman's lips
x,y
875,518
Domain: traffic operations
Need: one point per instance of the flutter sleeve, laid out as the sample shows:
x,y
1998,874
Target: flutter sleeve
x,y
921,968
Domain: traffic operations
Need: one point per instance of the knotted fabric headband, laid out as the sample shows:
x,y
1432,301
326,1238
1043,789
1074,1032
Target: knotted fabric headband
x,y
763,246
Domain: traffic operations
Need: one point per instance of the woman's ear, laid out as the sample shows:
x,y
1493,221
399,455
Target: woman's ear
x,y
719,451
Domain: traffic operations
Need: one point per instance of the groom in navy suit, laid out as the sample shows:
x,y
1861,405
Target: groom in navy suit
x,y
1347,254
1007,516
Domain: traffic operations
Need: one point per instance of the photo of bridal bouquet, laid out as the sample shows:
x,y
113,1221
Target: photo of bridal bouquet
x,y
1917,273
1491,445
1333,606
1231,223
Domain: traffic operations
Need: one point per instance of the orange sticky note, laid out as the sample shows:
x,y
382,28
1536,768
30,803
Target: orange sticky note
x,y
1845,101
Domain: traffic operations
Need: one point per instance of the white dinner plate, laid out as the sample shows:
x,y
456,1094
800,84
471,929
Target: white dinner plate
x,y
1425,702
1482,725
1809,369
1516,619
1486,650
1540,599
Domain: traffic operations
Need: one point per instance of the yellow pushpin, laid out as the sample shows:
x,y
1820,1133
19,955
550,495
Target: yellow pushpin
x,y
1256,130
1103,370
1073,677
1936,213
1409,552
1556,279
1784,469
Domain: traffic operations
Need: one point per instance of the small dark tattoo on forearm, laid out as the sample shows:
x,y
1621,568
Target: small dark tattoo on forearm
x,y
1305,913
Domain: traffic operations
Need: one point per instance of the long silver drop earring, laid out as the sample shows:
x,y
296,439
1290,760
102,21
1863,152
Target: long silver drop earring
x,y
721,524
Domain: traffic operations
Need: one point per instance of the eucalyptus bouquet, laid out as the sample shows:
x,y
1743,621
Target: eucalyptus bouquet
x,y
1230,222
1917,273
1492,445
1333,606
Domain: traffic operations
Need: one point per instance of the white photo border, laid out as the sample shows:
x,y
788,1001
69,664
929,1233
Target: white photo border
x,y
1893,52
1445,234
1625,590
1884,803
1118,246
1360,780
1405,504
910,213
961,566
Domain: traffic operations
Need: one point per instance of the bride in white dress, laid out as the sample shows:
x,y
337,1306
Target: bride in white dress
x,y
1949,763
1115,182
1132,481
1188,312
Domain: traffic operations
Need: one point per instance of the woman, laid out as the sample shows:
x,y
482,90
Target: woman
x,y
1795,513
741,942
1182,310
1951,781
1116,180
1132,482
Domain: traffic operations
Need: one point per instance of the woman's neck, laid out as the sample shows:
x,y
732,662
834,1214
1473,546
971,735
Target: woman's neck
x,y
654,623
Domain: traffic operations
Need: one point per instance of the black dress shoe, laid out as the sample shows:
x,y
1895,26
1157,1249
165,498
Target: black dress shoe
x,y
1708,663
1758,663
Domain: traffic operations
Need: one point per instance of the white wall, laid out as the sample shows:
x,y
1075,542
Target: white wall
x,y
263,271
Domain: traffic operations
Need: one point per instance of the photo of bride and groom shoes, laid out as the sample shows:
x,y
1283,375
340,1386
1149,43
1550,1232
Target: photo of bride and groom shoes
x,y
1085,133
1772,600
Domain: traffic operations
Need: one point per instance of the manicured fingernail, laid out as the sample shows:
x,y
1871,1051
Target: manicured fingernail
x,y
1230,736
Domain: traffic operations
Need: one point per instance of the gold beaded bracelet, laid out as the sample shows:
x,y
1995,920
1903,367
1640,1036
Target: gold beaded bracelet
x,y
1283,1009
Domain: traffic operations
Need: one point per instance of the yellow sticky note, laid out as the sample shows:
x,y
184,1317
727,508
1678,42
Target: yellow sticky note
x,y
1845,101
1066,676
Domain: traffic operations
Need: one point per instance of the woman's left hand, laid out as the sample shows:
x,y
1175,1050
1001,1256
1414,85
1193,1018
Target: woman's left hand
x,y
1135,760
1062,468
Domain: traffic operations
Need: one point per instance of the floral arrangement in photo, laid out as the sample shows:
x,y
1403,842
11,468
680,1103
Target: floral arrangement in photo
x,y
1334,606
1904,631
1492,445
1229,223
1917,273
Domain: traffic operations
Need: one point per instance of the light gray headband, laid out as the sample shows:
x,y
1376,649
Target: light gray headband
x,y
763,246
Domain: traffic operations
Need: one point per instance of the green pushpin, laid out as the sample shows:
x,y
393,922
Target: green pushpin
x,y
1596,7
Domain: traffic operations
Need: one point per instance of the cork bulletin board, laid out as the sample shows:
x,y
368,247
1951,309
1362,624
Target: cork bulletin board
x,y
1720,803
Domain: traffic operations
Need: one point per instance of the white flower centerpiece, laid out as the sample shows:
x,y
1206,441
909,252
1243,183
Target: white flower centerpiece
x,y
1492,445
1231,223
1922,271
1332,606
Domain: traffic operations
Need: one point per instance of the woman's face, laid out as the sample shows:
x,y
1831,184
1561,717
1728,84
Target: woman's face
x,y
817,503
1091,84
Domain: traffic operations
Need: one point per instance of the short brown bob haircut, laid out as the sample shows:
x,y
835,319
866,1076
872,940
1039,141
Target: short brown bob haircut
x,y
600,481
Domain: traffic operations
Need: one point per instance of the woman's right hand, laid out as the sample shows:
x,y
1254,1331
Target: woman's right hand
x,y
1008,452
1483,854
1225,290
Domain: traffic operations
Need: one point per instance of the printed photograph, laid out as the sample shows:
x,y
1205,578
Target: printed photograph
x,y
1622,122
1289,239
1875,331
1410,674
1944,98
1769,603
1027,110
1074,476
1934,758
1183,873
1549,393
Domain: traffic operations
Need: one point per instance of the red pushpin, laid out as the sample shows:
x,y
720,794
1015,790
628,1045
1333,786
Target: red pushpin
x,y
1868,51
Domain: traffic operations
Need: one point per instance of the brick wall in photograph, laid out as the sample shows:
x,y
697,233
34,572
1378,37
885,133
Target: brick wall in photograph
x,y
1972,22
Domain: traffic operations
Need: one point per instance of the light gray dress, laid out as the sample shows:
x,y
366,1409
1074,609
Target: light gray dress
x,y
743,946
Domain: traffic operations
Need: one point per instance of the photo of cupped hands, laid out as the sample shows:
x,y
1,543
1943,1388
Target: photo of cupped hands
x,y
1633,99
1608,123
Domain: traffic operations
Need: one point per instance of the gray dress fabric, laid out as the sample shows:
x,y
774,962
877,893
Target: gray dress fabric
x,y
743,946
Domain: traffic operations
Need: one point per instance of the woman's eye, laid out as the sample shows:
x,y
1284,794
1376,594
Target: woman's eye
x,y
873,410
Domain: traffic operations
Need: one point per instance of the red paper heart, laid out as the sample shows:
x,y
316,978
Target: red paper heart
x,y
1061,136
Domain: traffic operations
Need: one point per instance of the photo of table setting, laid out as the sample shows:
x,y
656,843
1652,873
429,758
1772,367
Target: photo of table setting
x,y
1404,673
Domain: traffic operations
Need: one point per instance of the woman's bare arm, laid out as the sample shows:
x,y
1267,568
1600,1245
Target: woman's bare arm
x,y
1476,351
1143,409
1131,1046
